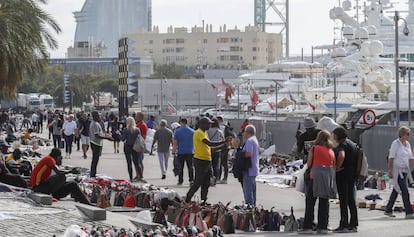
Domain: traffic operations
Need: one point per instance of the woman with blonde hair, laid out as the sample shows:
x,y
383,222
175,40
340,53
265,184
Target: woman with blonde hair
x,y
399,171
129,135
322,184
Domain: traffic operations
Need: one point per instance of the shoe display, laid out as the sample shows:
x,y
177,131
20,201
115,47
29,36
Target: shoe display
x,y
389,214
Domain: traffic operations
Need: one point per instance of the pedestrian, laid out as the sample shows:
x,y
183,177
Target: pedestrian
x,y
143,130
202,159
47,178
96,135
5,175
183,148
322,184
215,135
49,121
346,162
69,128
115,133
151,122
251,151
399,159
35,120
83,129
40,122
56,126
224,155
163,138
129,134
306,139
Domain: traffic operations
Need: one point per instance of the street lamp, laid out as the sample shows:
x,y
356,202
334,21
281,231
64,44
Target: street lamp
x,y
156,95
199,101
397,60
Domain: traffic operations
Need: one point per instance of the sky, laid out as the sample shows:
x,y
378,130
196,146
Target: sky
x,y
309,19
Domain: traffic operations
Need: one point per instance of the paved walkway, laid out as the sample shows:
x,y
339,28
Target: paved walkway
x,y
372,223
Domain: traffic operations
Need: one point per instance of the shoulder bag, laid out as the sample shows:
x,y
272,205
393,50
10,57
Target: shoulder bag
x,y
139,144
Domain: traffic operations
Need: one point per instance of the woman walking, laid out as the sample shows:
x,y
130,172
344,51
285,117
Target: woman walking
x,y
115,133
399,171
129,135
322,184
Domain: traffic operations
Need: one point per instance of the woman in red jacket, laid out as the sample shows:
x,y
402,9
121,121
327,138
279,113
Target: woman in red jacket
x,y
322,186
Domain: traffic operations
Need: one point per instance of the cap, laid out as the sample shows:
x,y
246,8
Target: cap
x,y
309,123
205,120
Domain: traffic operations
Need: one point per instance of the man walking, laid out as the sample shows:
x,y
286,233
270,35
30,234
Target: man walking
x,y
163,138
139,117
83,129
183,148
202,159
251,149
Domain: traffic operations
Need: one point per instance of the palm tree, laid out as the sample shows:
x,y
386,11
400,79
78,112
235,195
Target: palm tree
x,y
24,41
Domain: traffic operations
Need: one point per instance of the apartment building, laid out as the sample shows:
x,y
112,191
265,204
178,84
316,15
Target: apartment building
x,y
203,48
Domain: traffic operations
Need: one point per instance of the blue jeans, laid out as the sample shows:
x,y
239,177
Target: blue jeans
x,y
163,158
402,182
249,189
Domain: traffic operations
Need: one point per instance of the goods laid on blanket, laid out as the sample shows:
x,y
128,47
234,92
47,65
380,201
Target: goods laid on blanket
x,y
169,209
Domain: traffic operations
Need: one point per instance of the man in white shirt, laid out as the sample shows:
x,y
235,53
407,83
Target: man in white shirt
x,y
68,133
35,120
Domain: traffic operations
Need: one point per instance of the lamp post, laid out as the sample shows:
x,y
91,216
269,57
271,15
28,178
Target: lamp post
x,y
334,96
409,97
276,95
397,61
156,95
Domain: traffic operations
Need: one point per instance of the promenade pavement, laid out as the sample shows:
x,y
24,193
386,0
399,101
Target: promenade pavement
x,y
372,223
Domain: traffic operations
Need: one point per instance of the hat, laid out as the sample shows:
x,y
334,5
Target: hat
x,y
205,120
4,143
309,123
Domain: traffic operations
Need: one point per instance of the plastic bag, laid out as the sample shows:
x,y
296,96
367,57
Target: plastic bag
x,y
300,181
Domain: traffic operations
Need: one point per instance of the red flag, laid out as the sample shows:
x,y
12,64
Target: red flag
x,y
228,94
271,105
223,83
312,106
254,98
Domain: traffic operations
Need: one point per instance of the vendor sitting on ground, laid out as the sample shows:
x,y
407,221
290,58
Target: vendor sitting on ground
x,y
16,165
5,175
47,178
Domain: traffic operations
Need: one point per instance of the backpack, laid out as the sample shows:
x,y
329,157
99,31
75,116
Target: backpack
x,y
362,164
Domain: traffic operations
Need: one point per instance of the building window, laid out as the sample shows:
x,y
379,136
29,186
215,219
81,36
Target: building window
x,y
234,48
151,41
179,50
254,49
169,41
254,58
223,40
234,58
180,41
234,40
205,41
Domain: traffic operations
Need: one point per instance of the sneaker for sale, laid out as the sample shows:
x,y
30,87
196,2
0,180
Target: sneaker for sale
x,y
389,214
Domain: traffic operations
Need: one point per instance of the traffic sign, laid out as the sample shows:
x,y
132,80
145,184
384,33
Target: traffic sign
x,y
369,117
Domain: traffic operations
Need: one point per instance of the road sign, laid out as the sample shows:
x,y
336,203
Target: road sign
x,y
369,117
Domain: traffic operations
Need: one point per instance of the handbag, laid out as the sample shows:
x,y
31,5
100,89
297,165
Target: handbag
x,y
139,144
